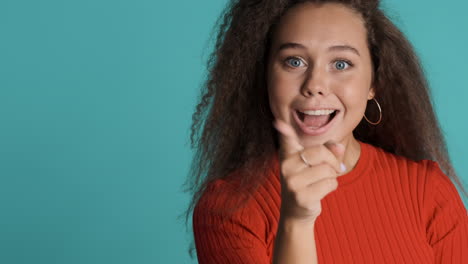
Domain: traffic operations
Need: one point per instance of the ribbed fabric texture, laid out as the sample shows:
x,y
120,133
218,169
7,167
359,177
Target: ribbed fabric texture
x,y
388,209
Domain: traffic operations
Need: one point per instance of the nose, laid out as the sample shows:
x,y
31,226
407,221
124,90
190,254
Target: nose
x,y
314,84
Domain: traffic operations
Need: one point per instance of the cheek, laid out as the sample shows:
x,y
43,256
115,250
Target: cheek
x,y
281,93
354,95
277,100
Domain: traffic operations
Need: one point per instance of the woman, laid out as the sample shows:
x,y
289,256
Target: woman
x,y
320,143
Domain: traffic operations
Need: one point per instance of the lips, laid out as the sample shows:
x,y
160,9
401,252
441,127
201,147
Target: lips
x,y
302,115
318,122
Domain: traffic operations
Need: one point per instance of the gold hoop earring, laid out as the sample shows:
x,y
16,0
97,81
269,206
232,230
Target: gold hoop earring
x,y
380,114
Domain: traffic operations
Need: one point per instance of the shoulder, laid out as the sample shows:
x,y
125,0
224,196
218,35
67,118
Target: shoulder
x,y
232,197
444,213
388,161
224,212
422,180
229,227
425,184
225,201
441,193
219,197
428,173
235,188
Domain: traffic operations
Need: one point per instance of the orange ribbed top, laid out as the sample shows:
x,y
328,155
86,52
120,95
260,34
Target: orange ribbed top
x,y
388,209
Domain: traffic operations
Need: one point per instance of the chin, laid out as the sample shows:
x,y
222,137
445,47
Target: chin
x,y
309,141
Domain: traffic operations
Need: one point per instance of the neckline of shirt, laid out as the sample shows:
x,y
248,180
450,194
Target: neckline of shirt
x,y
362,165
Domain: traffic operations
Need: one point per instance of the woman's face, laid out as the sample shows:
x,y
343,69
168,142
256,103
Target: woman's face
x,y
320,64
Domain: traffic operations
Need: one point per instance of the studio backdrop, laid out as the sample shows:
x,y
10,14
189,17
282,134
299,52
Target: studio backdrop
x,y
96,100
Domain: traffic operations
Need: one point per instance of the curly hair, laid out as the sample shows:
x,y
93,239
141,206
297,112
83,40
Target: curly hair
x,y
232,127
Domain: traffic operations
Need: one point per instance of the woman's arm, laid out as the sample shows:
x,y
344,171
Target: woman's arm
x,y
446,218
236,238
295,243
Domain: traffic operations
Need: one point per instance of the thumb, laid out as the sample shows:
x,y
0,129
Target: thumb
x,y
338,150
288,140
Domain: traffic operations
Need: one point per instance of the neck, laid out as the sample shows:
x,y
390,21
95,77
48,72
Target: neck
x,y
352,152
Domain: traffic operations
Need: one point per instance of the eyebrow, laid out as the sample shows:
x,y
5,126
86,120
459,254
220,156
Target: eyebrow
x,y
292,45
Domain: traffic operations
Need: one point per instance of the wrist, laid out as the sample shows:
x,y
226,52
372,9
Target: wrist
x,y
296,225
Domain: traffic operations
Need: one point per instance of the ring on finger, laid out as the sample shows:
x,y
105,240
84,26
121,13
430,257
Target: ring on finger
x,y
301,154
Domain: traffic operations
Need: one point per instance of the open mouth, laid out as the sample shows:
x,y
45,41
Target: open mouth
x,y
316,119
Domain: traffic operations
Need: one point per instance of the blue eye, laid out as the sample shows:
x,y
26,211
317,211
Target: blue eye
x,y
341,64
294,62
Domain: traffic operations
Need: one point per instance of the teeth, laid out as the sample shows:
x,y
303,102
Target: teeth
x,y
318,112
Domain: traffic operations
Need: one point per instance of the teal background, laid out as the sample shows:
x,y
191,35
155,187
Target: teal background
x,y
96,99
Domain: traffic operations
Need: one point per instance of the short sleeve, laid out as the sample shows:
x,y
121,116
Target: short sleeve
x,y
235,238
445,217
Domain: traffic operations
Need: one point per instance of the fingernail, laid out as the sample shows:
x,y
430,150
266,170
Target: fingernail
x,y
343,167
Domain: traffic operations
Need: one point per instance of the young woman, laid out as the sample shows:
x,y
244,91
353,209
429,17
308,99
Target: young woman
x,y
319,143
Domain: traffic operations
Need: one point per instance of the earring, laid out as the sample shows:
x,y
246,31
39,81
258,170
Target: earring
x,y
380,114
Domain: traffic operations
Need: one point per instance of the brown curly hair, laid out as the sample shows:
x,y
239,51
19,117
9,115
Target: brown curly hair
x,y
232,126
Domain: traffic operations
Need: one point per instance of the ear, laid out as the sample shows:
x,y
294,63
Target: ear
x,y
371,93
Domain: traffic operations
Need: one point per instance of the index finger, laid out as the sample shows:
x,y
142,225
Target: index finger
x,y
288,140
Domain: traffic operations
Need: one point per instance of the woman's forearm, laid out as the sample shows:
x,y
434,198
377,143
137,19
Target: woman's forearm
x,y
294,243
